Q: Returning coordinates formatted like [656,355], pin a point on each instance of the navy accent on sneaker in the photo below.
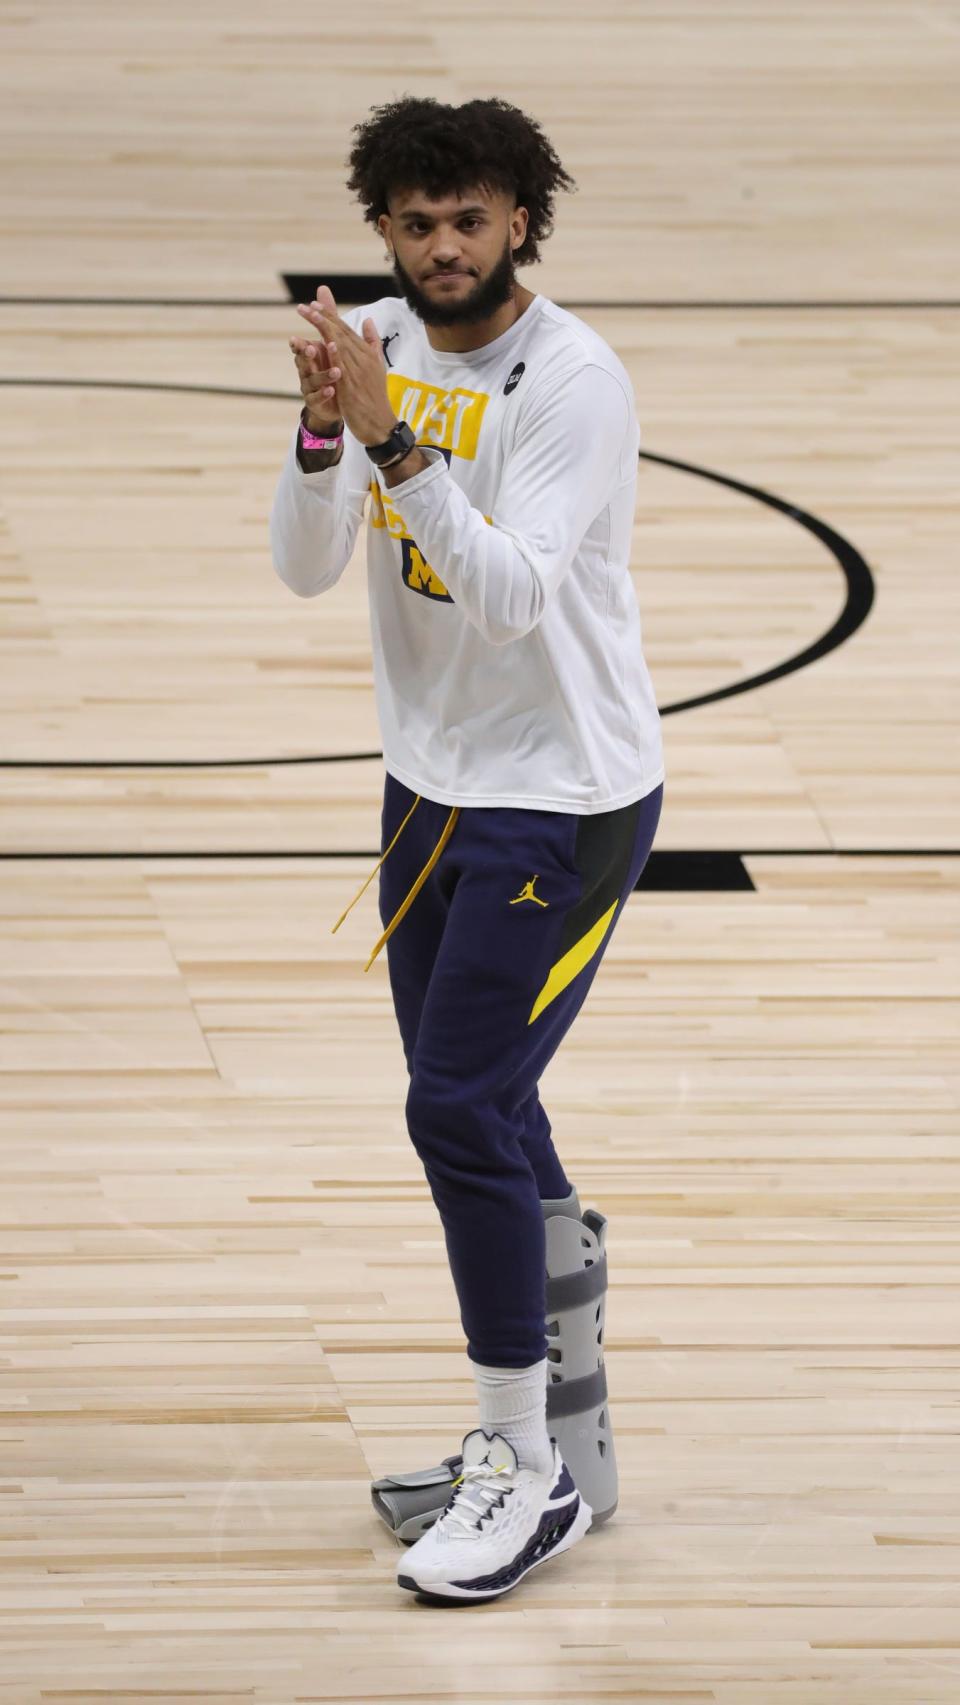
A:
[552,1526]
[564,1485]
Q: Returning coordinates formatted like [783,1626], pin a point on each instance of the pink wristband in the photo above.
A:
[310,442]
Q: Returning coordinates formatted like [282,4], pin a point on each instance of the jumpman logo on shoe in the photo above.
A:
[526,893]
[502,1520]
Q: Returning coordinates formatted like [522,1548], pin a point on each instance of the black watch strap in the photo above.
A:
[399,444]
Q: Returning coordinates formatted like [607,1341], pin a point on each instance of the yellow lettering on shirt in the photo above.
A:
[442,420]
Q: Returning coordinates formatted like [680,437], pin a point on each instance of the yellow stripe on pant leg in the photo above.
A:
[564,971]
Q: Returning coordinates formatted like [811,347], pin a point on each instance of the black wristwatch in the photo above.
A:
[393,449]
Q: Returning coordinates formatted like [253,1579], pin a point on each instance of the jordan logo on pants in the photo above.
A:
[526,893]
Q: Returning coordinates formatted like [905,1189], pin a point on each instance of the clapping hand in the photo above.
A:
[359,393]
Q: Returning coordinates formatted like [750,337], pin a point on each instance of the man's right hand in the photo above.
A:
[318,381]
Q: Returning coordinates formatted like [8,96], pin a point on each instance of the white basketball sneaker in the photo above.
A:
[500,1522]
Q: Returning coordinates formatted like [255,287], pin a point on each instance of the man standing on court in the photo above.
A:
[496,437]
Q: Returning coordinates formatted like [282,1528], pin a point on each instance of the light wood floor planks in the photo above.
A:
[224,1296]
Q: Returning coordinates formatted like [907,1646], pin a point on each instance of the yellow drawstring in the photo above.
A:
[448,829]
[500,1469]
[377,866]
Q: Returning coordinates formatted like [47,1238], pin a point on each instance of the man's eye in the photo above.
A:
[469,220]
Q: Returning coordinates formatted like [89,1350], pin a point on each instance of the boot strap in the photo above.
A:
[571,1290]
[577,1396]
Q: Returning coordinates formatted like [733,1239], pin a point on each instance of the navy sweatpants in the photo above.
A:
[488,970]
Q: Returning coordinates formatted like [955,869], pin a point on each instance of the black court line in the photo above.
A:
[345,289]
[667,872]
[364,852]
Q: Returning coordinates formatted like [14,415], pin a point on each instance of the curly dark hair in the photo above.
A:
[419,143]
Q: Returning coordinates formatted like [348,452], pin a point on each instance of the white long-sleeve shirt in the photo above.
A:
[507,652]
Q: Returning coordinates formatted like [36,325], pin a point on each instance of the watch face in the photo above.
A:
[401,438]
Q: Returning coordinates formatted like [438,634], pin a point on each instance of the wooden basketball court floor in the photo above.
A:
[224,1297]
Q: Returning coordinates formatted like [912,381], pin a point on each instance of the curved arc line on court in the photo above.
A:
[859,599]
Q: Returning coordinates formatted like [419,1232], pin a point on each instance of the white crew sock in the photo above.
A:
[513,1402]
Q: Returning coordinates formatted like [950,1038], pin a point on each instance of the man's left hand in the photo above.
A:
[361,390]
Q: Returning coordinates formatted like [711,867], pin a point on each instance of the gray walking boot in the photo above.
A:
[577,1413]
